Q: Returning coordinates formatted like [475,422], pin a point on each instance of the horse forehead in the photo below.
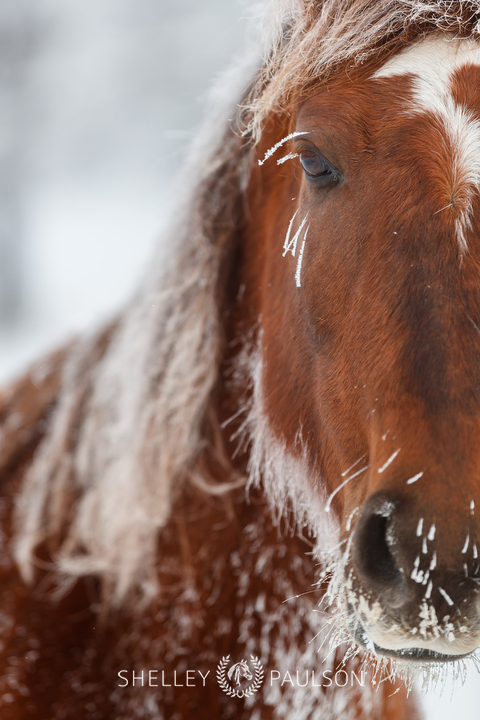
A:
[434,64]
[444,75]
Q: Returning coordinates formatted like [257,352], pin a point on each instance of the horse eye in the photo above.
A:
[316,167]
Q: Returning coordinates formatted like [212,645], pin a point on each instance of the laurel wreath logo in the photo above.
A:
[232,692]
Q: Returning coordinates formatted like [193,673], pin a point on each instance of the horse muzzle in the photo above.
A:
[409,596]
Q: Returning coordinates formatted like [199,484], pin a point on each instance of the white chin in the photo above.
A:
[400,645]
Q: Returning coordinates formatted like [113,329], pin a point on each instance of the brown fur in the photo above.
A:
[377,316]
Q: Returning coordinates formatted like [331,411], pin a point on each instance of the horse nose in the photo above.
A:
[412,588]
[410,592]
[376,551]
[398,561]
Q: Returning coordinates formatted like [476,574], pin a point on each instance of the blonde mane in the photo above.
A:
[132,420]
[308,42]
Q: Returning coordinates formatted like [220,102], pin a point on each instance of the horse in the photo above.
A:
[238,671]
[272,450]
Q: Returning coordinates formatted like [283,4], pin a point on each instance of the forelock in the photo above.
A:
[309,42]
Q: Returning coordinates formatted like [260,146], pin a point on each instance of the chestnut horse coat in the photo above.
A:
[258,462]
[225,573]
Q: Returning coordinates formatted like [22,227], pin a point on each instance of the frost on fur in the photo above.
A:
[306,44]
[129,423]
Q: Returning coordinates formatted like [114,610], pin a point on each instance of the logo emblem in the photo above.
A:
[242,682]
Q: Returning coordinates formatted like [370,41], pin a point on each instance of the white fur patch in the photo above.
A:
[433,62]
[288,482]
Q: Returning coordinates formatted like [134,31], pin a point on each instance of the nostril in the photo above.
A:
[373,556]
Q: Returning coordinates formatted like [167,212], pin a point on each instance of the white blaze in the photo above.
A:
[433,63]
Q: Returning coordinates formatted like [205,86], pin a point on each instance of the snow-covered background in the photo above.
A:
[98,102]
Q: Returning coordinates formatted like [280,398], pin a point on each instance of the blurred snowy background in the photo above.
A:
[98,102]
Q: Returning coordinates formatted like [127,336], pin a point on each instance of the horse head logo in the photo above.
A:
[238,671]
[234,687]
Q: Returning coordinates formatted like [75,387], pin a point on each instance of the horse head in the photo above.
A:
[318,337]
[238,671]
[372,322]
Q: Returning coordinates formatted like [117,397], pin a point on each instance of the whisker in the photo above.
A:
[443,208]
[414,478]
[292,245]
[290,156]
[279,144]
[342,485]
[300,258]
[289,229]
[345,472]
[295,597]
[389,461]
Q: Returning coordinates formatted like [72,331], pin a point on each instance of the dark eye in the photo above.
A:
[317,168]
